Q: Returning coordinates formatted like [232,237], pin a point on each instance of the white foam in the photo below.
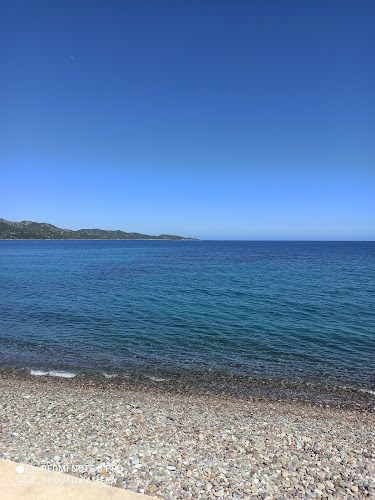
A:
[155,379]
[53,373]
[360,389]
[109,375]
[368,391]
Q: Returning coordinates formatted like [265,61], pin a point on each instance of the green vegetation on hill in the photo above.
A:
[27,230]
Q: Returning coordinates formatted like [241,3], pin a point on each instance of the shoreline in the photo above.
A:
[216,384]
[180,444]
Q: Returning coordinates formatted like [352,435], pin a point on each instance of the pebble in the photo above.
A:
[189,446]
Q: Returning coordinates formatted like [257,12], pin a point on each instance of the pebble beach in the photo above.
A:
[184,444]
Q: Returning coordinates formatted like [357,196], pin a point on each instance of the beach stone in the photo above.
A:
[161,452]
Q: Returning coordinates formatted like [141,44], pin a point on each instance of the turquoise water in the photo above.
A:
[291,311]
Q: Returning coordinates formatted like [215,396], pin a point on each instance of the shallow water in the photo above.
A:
[288,311]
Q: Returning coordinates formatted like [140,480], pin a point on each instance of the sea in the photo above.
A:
[246,317]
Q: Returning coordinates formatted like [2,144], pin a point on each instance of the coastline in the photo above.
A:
[212,383]
[96,239]
[176,443]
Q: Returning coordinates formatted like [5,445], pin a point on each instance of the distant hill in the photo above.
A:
[27,230]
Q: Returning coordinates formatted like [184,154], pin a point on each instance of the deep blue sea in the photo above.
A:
[285,311]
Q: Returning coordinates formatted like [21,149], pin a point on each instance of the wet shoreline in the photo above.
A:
[204,384]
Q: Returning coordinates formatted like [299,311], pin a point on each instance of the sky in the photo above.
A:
[213,119]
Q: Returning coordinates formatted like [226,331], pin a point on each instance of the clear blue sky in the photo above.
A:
[215,119]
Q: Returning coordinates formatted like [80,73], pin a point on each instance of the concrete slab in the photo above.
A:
[24,482]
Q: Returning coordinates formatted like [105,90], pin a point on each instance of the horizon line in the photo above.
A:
[193,240]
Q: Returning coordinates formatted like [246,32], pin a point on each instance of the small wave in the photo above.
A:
[110,375]
[155,379]
[368,391]
[355,389]
[53,373]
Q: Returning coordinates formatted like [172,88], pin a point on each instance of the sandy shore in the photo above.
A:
[187,445]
